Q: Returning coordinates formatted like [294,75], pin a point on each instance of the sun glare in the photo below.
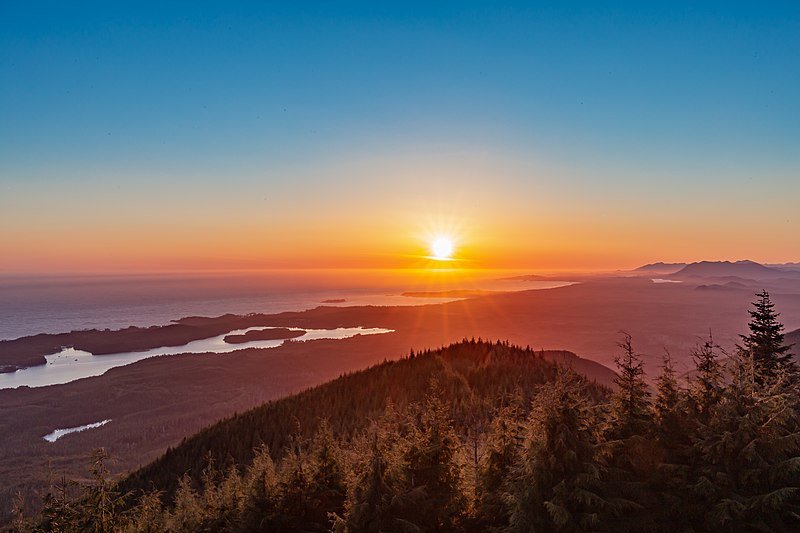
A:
[442,248]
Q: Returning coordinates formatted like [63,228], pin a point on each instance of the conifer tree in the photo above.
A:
[557,484]
[495,469]
[749,456]
[58,511]
[19,521]
[672,433]
[632,455]
[261,492]
[706,385]
[327,488]
[223,500]
[631,402]
[370,503]
[668,415]
[100,503]
[435,500]
[294,480]
[764,344]
[732,463]
[147,516]
[188,513]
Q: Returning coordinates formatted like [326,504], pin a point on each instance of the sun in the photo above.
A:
[442,248]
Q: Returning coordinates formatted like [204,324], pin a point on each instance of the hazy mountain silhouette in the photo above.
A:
[791,267]
[661,268]
[718,269]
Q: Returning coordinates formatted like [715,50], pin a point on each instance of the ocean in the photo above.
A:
[55,304]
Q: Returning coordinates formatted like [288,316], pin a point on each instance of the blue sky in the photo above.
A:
[621,96]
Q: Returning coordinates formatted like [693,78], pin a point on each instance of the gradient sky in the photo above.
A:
[210,136]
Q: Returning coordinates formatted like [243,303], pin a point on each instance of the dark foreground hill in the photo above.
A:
[482,437]
[479,437]
[474,378]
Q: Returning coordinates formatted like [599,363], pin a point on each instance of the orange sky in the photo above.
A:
[576,138]
[503,212]
[497,218]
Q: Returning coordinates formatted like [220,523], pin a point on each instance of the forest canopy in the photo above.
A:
[483,436]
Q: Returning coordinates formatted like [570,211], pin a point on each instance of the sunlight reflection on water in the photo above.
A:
[71,364]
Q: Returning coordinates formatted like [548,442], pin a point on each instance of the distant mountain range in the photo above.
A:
[723,270]
[661,268]
[786,266]
[720,269]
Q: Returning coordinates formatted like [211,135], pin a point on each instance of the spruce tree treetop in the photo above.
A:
[765,342]
[631,402]
[706,385]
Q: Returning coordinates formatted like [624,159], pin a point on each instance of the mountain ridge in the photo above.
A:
[466,370]
[712,269]
[660,267]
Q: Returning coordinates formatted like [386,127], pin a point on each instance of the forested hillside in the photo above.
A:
[473,377]
[484,437]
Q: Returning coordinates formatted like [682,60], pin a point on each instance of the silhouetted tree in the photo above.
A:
[500,455]
[558,482]
[749,456]
[764,344]
[553,454]
[327,488]
[261,492]
[147,516]
[370,504]
[99,505]
[669,413]
[707,383]
[59,512]
[435,500]
[631,401]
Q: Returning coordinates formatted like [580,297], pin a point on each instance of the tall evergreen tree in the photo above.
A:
[557,485]
[100,503]
[261,492]
[631,402]
[748,456]
[188,513]
[59,512]
[327,488]
[672,435]
[294,483]
[436,500]
[147,516]
[632,452]
[707,383]
[764,344]
[370,505]
[495,468]
[668,415]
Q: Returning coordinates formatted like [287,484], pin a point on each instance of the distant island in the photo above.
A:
[30,351]
[334,301]
[454,293]
[270,334]
[537,277]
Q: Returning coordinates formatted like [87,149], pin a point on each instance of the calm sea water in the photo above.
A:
[60,304]
[71,364]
